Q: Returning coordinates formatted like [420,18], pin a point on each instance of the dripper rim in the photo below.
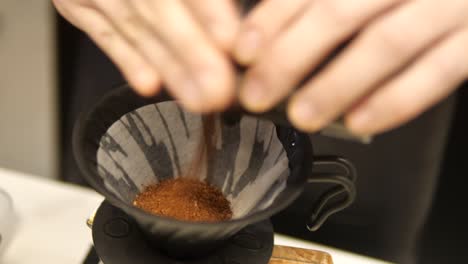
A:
[90,175]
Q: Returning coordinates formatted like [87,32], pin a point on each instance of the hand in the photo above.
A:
[404,57]
[181,43]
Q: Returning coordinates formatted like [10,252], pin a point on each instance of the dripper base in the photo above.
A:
[118,240]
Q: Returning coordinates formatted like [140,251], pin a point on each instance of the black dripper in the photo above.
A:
[126,142]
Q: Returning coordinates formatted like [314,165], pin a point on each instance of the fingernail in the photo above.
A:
[254,95]
[248,45]
[304,115]
[212,87]
[145,82]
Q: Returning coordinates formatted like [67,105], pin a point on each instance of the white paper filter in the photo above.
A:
[160,141]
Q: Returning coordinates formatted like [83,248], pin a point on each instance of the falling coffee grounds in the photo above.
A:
[185,199]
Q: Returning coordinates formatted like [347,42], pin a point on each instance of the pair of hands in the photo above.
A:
[404,57]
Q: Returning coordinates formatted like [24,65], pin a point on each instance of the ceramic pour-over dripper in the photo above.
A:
[126,143]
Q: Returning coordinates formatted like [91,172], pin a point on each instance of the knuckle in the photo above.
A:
[392,39]
[95,3]
[131,19]
[132,27]
[104,35]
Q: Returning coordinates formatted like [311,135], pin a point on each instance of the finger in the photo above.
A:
[303,46]
[259,28]
[61,6]
[136,70]
[209,70]
[139,34]
[381,51]
[219,19]
[427,82]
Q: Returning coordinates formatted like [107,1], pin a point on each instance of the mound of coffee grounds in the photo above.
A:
[185,199]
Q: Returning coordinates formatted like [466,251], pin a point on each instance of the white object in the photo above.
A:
[8,221]
[53,228]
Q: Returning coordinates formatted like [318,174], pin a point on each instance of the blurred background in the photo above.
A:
[39,53]
[29,99]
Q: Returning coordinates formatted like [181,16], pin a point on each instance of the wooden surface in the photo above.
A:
[289,255]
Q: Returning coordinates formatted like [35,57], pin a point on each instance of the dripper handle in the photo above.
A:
[330,202]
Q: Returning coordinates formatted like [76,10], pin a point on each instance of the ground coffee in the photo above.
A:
[185,199]
[206,146]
